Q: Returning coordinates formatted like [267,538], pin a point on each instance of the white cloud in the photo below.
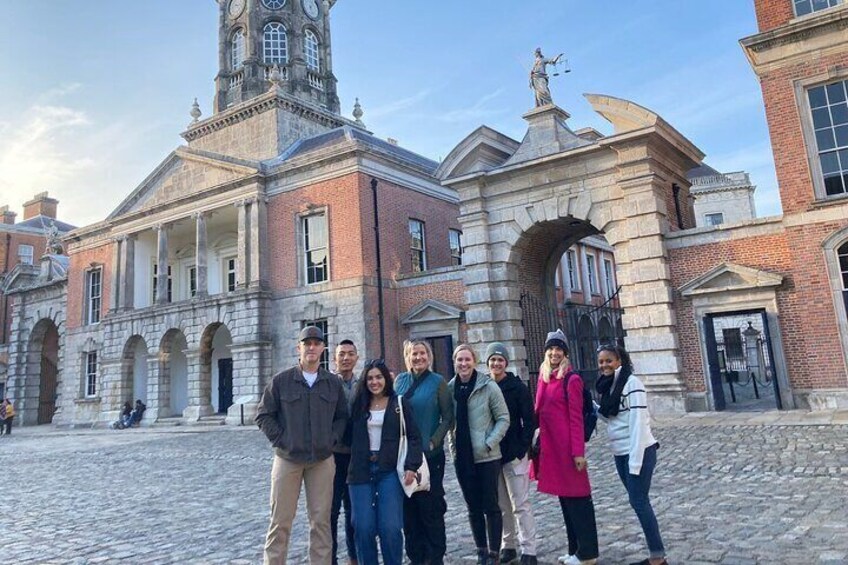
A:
[399,105]
[475,112]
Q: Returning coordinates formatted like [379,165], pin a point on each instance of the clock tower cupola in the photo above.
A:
[255,36]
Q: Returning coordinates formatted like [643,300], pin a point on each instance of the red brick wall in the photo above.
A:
[806,314]
[80,262]
[350,217]
[784,120]
[9,258]
[773,13]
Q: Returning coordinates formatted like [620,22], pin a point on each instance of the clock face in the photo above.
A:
[273,4]
[236,8]
[311,8]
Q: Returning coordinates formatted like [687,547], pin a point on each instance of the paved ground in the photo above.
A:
[755,488]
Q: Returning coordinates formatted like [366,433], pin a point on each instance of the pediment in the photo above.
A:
[185,172]
[431,311]
[730,277]
[483,150]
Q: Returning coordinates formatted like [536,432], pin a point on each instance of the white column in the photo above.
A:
[162,265]
[258,223]
[115,290]
[584,274]
[200,266]
[243,259]
[127,279]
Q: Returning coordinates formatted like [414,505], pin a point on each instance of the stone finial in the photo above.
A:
[275,77]
[358,113]
[195,112]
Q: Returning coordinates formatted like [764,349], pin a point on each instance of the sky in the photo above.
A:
[94,94]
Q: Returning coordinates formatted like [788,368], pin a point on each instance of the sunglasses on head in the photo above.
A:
[375,363]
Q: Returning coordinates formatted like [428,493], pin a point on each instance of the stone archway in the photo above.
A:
[216,368]
[173,374]
[134,370]
[528,201]
[43,370]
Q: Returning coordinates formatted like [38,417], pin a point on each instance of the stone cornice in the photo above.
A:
[275,99]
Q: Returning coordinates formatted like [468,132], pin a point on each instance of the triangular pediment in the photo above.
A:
[483,150]
[431,311]
[730,277]
[185,172]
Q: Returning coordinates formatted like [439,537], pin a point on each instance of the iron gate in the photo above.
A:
[585,326]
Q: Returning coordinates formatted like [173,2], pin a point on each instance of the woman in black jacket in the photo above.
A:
[376,494]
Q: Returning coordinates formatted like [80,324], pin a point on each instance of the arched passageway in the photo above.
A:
[173,373]
[134,370]
[43,368]
[216,368]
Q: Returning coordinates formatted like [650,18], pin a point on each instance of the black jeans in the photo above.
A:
[480,490]
[341,496]
[579,516]
[8,423]
[424,517]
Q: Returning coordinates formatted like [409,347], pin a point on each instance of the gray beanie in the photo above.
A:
[556,339]
[496,348]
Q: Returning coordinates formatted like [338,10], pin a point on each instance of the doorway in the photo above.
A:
[225,385]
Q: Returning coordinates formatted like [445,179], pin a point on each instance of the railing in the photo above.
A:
[729,179]
[284,73]
[237,78]
[315,81]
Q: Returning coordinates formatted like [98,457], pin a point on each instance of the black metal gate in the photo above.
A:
[741,361]
[586,327]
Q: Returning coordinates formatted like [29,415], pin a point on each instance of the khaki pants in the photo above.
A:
[286,480]
[514,500]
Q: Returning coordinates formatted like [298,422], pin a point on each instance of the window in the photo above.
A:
[93,295]
[322,325]
[192,281]
[237,50]
[419,253]
[830,121]
[455,237]
[804,7]
[310,44]
[273,4]
[732,338]
[714,219]
[608,280]
[571,263]
[590,267]
[230,274]
[275,48]
[91,374]
[26,253]
[842,254]
[156,286]
[315,248]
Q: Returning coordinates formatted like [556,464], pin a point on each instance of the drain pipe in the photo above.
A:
[379,270]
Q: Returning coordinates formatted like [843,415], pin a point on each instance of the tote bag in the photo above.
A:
[422,475]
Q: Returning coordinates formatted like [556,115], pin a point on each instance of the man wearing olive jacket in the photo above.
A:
[303,412]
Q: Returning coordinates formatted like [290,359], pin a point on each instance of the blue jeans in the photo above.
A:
[638,487]
[378,511]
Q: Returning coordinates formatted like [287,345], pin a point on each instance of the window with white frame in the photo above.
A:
[237,49]
[191,275]
[829,106]
[842,254]
[93,295]
[455,237]
[230,274]
[590,268]
[275,44]
[417,247]
[571,265]
[323,326]
[804,7]
[156,286]
[91,374]
[26,254]
[315,248]
[715,219]
[310,49]
[608,277]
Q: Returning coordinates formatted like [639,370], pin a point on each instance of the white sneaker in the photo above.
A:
[568,560]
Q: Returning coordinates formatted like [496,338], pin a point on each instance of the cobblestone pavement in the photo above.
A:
[732,494]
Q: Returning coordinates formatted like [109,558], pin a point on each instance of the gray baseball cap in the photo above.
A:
[311,332]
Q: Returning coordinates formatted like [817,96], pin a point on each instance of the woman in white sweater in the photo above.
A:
[624,406]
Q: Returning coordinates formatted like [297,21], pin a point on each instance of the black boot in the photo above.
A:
[494,558]
[508,555]
[482,556]
[528,560]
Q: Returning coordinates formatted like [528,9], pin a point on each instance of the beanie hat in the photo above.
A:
[496,348]
[556,339]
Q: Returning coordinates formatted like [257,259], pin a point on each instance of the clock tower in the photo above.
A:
[257,35]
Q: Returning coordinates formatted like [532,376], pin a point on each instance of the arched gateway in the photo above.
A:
[523,204]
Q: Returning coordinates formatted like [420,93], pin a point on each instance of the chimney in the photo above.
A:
[6,215]
[40,205]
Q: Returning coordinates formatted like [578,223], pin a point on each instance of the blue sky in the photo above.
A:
[95,93]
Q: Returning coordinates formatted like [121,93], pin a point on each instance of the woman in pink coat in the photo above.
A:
[560,468]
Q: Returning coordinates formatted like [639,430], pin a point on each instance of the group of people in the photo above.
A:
[370,435]
[7,414]
[130,416]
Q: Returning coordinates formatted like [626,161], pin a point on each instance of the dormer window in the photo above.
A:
[237,50]
[311,50]
[275,47]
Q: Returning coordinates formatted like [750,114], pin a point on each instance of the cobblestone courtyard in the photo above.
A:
[727,493]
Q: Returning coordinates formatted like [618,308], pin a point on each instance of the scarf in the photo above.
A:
[464,448]
[610,388]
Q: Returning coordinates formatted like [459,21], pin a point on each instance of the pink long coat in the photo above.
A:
[561,437]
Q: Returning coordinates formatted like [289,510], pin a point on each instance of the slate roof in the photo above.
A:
[703,170]
[40,221]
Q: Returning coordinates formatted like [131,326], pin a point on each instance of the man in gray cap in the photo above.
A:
[303,412]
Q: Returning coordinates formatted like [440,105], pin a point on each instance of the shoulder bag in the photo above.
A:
[422,475]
